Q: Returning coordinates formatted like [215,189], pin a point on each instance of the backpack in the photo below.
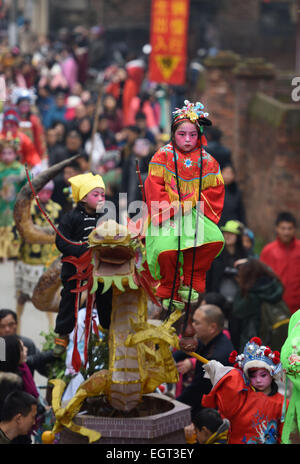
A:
[274,324]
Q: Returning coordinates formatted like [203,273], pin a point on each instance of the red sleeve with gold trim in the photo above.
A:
[213,190]
[159,188]
[213,199]
[155,192]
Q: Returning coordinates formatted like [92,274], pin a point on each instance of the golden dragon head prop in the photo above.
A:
[117,256]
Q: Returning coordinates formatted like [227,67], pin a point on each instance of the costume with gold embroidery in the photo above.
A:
[35,257]
[161,188]
[12,179]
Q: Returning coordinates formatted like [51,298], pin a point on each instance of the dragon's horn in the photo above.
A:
[28,231]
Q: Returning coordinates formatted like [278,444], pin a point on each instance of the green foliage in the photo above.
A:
[98,355]
[259,244]
[49,342]
[57,368]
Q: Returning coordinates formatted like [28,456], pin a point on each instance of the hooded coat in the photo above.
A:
[247,308]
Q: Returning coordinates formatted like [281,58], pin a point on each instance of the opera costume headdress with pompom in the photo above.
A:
[257,356]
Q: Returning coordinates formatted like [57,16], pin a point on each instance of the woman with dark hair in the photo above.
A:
[257,284]
[85,129]
[113,113]
[15,362]
[60,129]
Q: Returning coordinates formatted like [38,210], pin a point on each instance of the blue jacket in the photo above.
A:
[55,114]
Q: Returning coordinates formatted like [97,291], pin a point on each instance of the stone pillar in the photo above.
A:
[270,163]
[219,96]
[251,76]
[40,19]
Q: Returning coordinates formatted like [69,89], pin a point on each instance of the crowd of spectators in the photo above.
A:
[70,98]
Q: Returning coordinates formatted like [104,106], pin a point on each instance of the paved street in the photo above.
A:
[33,321]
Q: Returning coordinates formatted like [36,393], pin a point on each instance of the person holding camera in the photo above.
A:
[221,278]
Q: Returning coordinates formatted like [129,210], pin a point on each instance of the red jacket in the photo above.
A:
[27,151]
[33,128]
[284,260]
[131,88]
[160,184]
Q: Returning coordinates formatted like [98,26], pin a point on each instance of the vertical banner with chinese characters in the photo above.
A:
[168,38]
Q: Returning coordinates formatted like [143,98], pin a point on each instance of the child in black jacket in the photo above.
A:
[88,192]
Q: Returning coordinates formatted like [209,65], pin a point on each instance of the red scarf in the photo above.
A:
[28,382]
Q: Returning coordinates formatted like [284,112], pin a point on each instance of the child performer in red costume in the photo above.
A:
[30,123]
[173,194]
[247,394]
[27,151]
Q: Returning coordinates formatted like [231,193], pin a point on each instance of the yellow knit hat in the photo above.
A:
[84,183]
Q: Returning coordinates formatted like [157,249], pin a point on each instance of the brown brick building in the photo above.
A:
[261,125]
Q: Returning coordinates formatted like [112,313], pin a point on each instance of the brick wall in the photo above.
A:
[161,424]
[272,165]
[263,134]
[251,76]
[220,95]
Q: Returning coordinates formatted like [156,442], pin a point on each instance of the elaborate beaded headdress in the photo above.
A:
[8,141]
[11,114]
[256,355]
[192,112]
